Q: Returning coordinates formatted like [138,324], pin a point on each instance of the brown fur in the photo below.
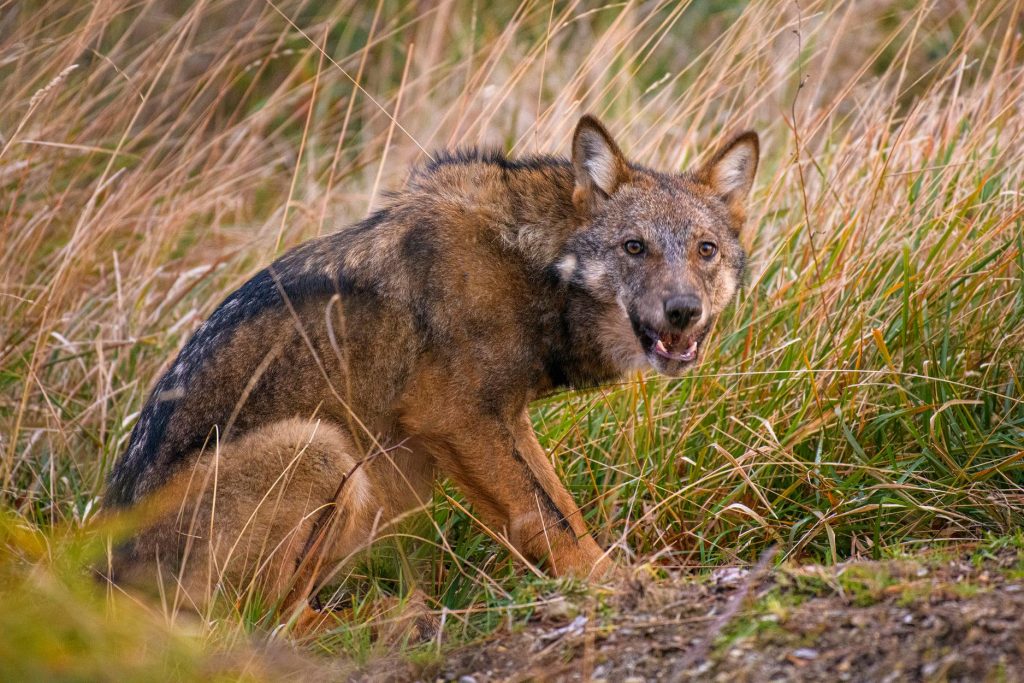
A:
[321,400]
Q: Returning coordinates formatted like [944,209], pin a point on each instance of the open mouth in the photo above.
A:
[679,346]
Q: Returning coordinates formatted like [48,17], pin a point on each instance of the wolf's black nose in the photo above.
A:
[682,310]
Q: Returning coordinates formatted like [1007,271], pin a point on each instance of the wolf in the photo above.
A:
[323,398]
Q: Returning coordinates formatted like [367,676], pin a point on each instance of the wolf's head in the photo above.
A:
[661,250]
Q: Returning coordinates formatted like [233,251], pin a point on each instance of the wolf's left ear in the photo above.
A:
[730,173]
[597,162]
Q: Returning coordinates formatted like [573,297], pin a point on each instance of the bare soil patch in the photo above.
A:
[954,618]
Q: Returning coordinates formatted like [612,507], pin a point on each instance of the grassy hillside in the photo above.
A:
[862,398]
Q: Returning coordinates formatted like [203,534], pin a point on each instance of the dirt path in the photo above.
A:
[959,618]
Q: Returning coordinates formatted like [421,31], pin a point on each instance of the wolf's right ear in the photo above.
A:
[597,162]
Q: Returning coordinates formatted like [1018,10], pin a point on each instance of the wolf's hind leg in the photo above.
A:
[248,514]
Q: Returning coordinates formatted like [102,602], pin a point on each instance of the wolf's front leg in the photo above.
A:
[505,473]
[583,557]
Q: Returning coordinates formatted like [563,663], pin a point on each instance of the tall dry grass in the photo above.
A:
[865,394]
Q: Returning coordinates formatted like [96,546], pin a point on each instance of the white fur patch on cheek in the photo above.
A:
[567,267]
[592,274]
[722,294]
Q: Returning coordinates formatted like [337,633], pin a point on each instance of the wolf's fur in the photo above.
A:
[323,397]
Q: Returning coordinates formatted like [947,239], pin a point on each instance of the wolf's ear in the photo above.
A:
[730,173]
[597,162]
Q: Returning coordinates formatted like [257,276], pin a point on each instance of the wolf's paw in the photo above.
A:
[406,621]
[311,622]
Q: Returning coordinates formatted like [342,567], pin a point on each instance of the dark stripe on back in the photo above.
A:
[265,291]
[494,157]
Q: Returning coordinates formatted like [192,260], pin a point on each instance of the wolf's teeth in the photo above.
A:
[660,345]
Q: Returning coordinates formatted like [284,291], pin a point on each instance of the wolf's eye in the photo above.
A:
[633,247]
[707,249]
